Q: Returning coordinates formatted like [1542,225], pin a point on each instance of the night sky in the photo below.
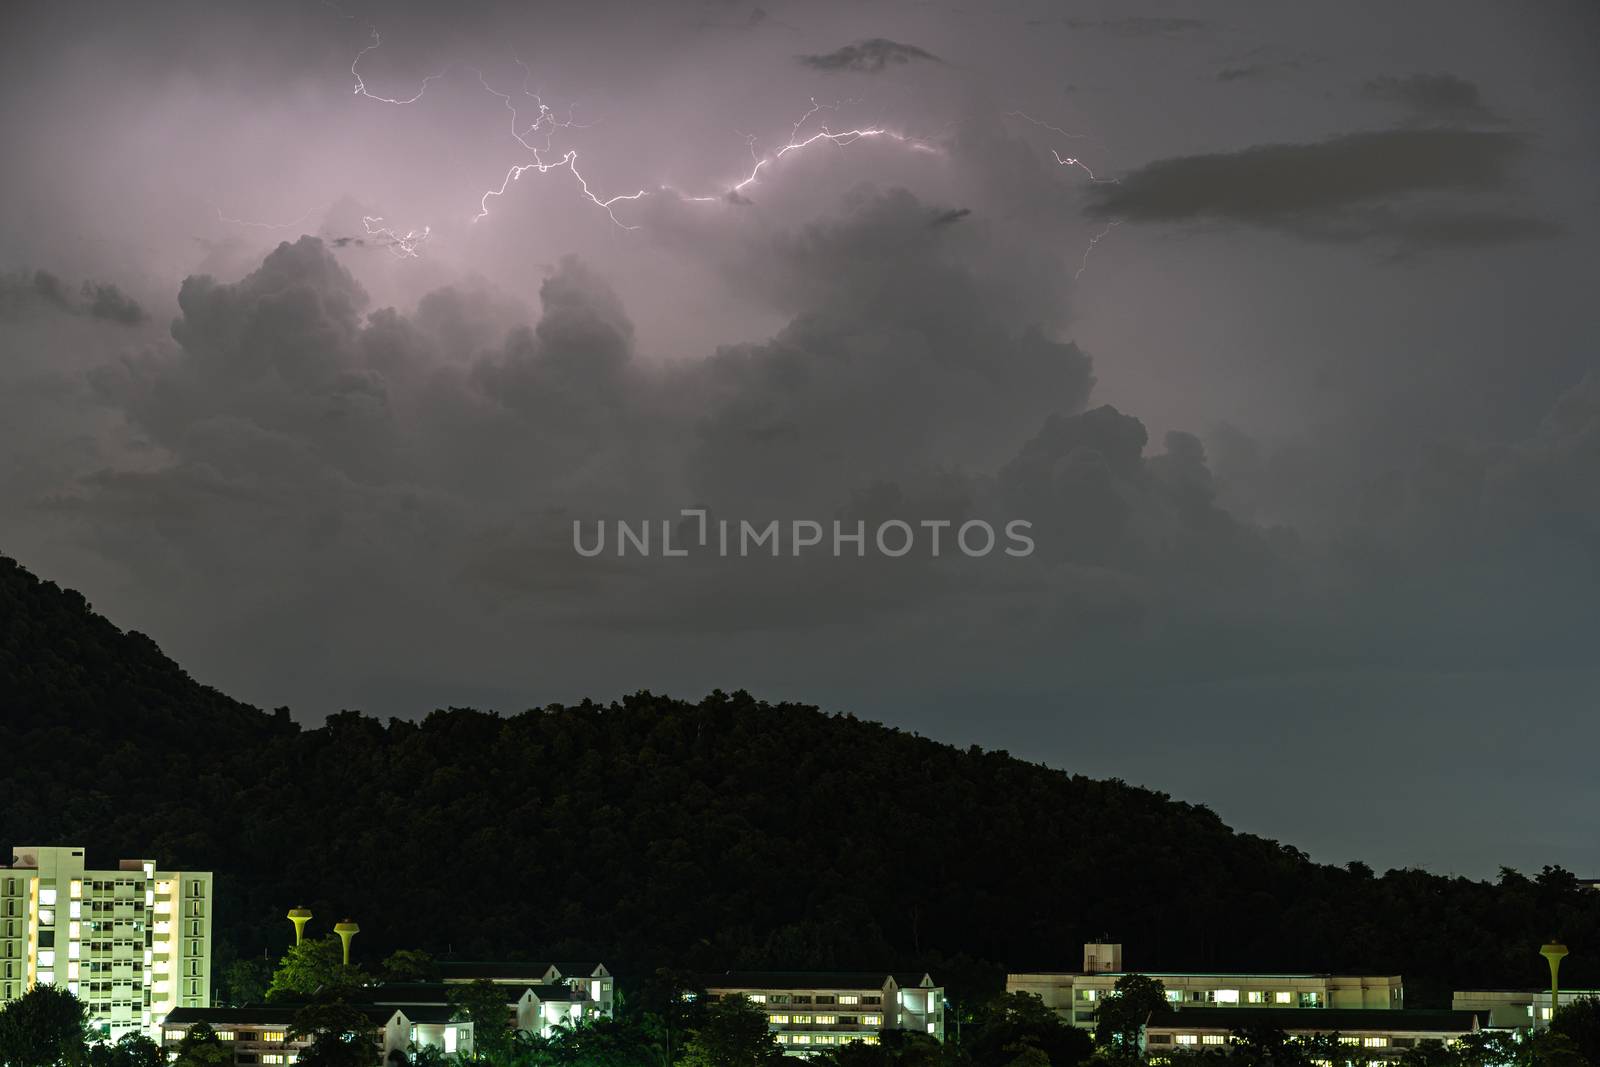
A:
[1276,321]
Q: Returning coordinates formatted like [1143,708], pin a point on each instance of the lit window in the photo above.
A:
[1311,1000]
[872,1020]
[849,998]
[449,1040]
[47,978]
[827,1020]
[47,898]
[173,1035]
[1088,994]
[272,1035]
[757,998]
[802,1019]
[930,1028]
[1213,1039]
[1188,1039]
[1374,1042]
[47,957]
[1283,998]
[224,1035]
[1227,996]
[47,916]
[1175,996]
[801,1039]
[75,889]
[778,1020]
[1256,996]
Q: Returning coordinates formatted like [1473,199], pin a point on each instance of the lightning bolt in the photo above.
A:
[537,137]
[1074,161]
[264,225]
[361,86]
[403,245]
[1095,239]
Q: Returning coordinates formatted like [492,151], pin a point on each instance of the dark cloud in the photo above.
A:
[1431,96]
[41,289]
[1356,186]
[871,56]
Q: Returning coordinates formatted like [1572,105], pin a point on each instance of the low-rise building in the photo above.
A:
[262,1034]
[809,1011]
[591,989]
[1075,995]
[1374,1031]
[1516,1009]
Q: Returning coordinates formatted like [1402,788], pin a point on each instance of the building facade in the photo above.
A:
[133,943]
[1374,1035]
[1516,1009]
[570,992]
[1075,995]
[262,1034]
[811,1011]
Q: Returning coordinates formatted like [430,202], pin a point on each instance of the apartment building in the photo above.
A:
[1075,995]
[810,1011]
[1372,1033]
[133,943]
[1516,1009]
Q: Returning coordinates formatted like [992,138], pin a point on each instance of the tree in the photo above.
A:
[602,1043]
[246,981]
[132,1049]
[45,1027]
[732,1032]
[483,1004]
[1009,1025]
[1579,1022]
[410,965]
[340,1035]
[315,965]
[1123,1014]
[201,1047]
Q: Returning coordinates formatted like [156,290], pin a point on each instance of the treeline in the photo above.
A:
[723,833]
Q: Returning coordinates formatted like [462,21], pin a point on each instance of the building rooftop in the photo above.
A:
[1201,974]
[811,980]
[1320,1020]
[516,970]
[284,1014]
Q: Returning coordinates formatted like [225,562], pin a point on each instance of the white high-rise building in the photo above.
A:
[132,943]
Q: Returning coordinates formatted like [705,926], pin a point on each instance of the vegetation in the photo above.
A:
[719,834]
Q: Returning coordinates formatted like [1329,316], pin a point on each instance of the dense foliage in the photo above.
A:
[724,833]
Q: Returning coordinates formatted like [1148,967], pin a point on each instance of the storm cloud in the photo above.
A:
[1357,186]
[872,56]
[1438,96]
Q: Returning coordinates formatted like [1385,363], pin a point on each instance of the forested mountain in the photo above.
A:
[723,833]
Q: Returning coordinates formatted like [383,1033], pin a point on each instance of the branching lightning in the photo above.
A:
[1074,161]
[537,137]
[403,245]
[361,86]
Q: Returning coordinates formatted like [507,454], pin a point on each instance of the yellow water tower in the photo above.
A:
[1554,953]
[346,930]
[299,916]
